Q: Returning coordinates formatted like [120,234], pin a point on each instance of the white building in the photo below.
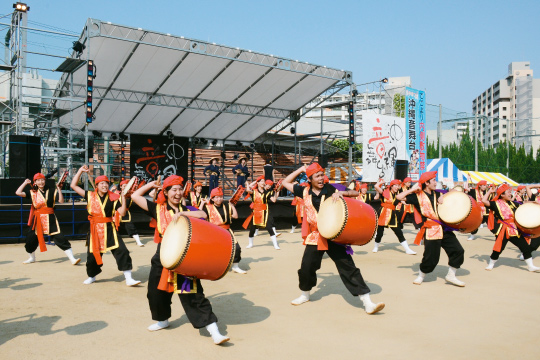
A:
[507,109]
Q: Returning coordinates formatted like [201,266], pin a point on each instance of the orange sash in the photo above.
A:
[387,206]
[215,218]
[299,211]
[39,216]
[258,215]
[310,232]
[97,238]
[431,229]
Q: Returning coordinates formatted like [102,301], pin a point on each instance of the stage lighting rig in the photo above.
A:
[239,143]
[293,130]
[89,92]
[351,123]
[21,7]
[252,146]
[248,156]
[123,136]
[223,155]
[170,134]
[97,134]
[78,47]
[214,142]
[114,137]
[385,80]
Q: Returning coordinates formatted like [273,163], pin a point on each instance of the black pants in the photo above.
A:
[213,183]
[130,228]
[294,221]
[269,228]
[196,306]
[349,273]
[521,244]
[32,241]
[397,230]
[535,244]
[432,252]
[121,255]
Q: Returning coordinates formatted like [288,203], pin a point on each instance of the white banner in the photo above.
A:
[383,144]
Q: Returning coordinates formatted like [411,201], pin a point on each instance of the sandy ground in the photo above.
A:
[47,313]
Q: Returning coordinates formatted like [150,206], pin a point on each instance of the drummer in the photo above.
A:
[269,188]
[503,210]
[521,194]
[535,242]
[425,199]
[42,218]
[160,288]
[212,171]
[129,226]
[477,194]
[407,209]
[196,196]
[221,214]
[298,204]
[389,216]
[260,217]
[104,208]
[316,246]
[241,171]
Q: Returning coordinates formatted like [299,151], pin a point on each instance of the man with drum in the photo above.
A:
[212,171]
[162,282]
[196,197]
[477,194]
[42,218]
[425,199]
[126,220]
[388,215]
[503,209]
[316,245]
[260,217]
[104,212]
[241,171]
[221,214]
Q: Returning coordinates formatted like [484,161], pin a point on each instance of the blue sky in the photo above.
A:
[452,50]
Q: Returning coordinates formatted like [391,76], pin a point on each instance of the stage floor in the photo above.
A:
[47,313]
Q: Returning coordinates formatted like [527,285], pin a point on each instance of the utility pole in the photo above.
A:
[475,142]
[439,131]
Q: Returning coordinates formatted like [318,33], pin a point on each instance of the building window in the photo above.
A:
[504,108]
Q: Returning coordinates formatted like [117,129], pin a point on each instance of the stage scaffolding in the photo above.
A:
[155,83]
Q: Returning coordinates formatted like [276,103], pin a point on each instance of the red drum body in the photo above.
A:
[528,218]
[460,211]
[347,221]
[196,248]
[279,185]
[187,188]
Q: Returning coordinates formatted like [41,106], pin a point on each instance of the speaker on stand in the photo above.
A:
[401,169]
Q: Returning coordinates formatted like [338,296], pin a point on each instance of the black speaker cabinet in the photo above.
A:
[401,169]
[24,156]
[323,160]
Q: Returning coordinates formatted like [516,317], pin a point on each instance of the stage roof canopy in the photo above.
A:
[149,82]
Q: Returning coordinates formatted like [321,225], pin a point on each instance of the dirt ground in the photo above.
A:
[47,313]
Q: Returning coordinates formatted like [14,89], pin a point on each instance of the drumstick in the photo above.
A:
[155,192]
[91,180]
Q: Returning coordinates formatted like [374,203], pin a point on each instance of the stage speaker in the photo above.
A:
[24,156]
[323,160]
[401,169]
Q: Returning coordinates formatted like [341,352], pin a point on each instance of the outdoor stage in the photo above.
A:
[47,313]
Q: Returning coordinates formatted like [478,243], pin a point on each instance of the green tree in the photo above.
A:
[399,105]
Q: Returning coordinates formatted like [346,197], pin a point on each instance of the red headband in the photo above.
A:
[427,176]
[170,181]
[216,192]
[124,182]
[521,187]
[198,183]
[326,179]
[395,182]
[39,176]
[313,169]
[269,182]
[363,186]
[102,178]
[260,178]
[407,179]
[500,191]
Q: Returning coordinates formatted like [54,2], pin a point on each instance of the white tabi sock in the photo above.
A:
[369,306]
[236,269]
[303,298]
[129,280]
[31,259]
[138,240]
[250,244]
[408,250]
[375,247]
[292,230]
[451,277]
[274,241]
[420,278]
[216,335]
[531,266]
[69,254]
[491,264]
[159,325]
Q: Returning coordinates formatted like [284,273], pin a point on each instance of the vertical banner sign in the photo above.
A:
[384,143]
[415,121]
[153,155]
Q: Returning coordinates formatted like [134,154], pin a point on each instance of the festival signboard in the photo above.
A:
[415,120]
[383,144]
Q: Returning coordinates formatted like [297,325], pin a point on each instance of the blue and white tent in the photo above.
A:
[446,170]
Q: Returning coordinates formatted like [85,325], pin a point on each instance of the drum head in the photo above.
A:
[458,188]
[332,217]
[129,185]
[528,215]
[455,208]
[175,243]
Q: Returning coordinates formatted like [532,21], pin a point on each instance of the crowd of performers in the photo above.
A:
[166,201]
